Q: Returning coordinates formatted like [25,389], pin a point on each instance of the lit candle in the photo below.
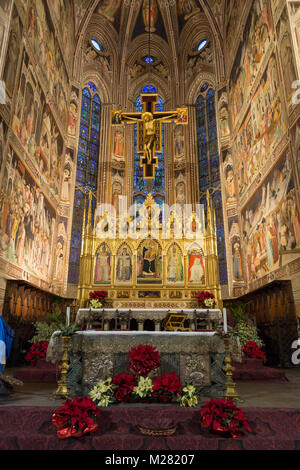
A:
[225,321]
[68,316]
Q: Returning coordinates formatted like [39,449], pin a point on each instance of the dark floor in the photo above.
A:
[253,394]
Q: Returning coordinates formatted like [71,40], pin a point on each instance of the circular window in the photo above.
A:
[202,45]
[96,45]
[149,59]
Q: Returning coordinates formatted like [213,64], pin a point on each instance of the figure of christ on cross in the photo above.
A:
[149,129]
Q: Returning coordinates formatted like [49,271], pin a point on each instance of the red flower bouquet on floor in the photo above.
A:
[37,351]
[143,360]
[76,418]
[252,351]
[166,386]
[206,300]
[125,384]
[223,416]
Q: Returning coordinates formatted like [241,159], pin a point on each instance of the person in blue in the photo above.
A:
[6,340]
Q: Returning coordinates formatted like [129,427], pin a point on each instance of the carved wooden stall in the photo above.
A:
[273,308]
[24,305]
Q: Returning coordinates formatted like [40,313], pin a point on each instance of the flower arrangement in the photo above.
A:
[76,417]
[206,300]
[103,393]
[252,350]
[167,386]
[247,332]
[37,351]
[125,384]
[144,388]
[143,360]
[224,416]
[188,396]
[97,297]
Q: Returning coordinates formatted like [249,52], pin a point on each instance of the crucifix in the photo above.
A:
[149,141]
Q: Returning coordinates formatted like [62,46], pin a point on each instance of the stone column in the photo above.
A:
[141,325]
[157,325]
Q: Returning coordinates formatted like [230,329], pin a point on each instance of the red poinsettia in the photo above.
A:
[76,417]
[252,350]
[37,351]
[224,416]
[168,384]
[144,359]
[125,384]
[98,295]
[206,300]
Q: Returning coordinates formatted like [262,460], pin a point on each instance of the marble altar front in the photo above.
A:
[196,357]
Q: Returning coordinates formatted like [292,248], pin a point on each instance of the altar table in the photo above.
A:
[85,316]
[197,357]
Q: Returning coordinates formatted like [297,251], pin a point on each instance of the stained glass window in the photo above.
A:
[209,169]
[157,188]
[87,172]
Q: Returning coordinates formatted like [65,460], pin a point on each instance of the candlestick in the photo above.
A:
[230,390]
[225,321]
[68,316]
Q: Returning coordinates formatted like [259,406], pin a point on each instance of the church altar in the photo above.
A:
[122,317]
[197,357]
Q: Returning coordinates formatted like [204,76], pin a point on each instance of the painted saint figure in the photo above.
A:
[103,267]
[124,266]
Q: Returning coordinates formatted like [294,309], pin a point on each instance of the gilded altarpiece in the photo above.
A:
[161,272]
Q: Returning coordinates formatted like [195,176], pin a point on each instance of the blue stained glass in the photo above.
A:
[158,184]
[209,167]
[149,89]
[87,173]
[92,86]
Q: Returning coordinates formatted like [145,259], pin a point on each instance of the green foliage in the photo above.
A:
[43,332]
[247,333]
[238,312]
[67,330]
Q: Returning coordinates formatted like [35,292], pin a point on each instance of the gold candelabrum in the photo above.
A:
[62,389]
[230,391]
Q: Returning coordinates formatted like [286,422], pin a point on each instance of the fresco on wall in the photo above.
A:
[235,7]
[178,141]
[13,51]
[255,42]
[270,221]
[60,252]
[261,130]
[236,249]
[295,133]
[3,132]
[230,185]
[34,125]
[118,142]
[47,50]
[27,220]
[73,112]
[286,53]
[67,176]
[108,8]
[63,12]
